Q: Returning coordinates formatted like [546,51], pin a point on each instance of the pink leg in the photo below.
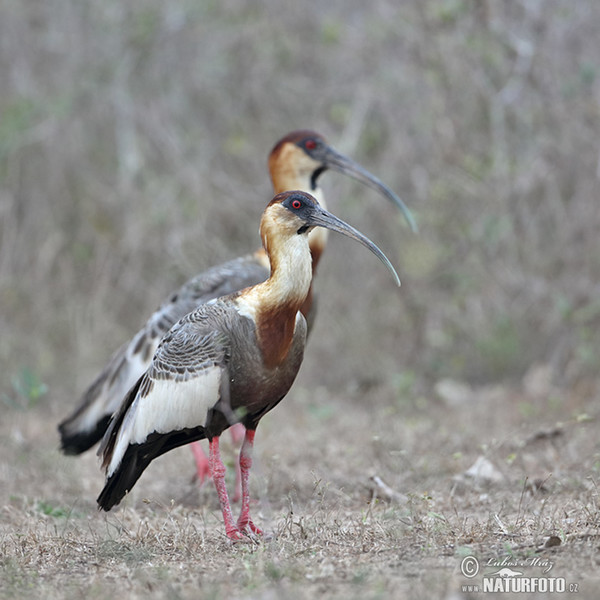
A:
[203,469]
[217,470]
[237,435]
[245,522]
[202,465]
[237,494]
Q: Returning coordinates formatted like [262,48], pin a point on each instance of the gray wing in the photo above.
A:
[169,405]
[88,423]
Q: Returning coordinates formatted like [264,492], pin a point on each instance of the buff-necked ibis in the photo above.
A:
[296,162]
[232,359]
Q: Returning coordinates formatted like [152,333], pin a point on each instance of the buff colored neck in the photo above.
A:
[274,304]
[285,179]
[291,269]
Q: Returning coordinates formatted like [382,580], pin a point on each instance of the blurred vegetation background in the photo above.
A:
[133,146]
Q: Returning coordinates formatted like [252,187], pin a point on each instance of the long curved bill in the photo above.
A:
[338,162]
[322,218]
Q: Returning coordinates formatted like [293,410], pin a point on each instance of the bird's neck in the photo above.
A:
[287,180]
[274,304]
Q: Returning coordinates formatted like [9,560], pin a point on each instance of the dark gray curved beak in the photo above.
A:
[319,217]
[338,162]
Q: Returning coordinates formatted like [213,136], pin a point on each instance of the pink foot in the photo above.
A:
[235,535]
[248,527]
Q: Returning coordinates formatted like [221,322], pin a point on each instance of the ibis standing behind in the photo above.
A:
[232,359]
[296,163]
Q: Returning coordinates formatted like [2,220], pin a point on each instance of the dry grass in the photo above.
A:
[331,536]
[133,141]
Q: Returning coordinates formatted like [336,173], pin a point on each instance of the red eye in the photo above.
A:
[310,144]
[296,204]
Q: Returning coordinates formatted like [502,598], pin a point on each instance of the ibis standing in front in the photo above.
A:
[296,162]
[230,360]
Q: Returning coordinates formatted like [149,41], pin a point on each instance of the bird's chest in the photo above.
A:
[255,381]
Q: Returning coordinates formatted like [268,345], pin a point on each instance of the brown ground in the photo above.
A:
[334,532]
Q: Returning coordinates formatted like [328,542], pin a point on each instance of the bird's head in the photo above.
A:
[296,213]
[301,157]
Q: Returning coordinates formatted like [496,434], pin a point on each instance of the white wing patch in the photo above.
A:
[170,406]
[112,393]
[135,368]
